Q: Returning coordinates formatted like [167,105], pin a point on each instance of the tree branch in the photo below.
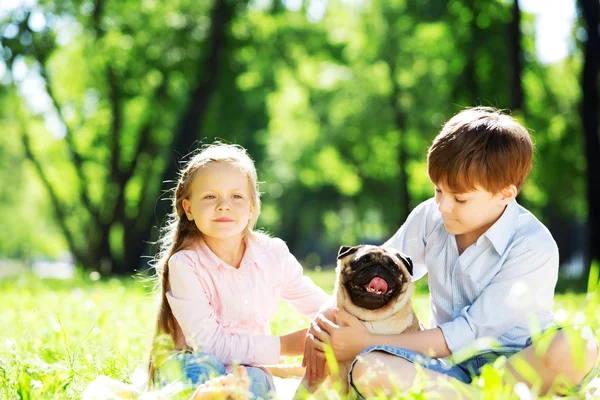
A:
[73,153]
[97,16]
[58,207]
[115,128]
[144,143]
[144,146]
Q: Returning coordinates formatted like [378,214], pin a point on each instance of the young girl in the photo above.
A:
[222,281]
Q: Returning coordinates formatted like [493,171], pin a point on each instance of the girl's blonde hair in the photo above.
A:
[180,233]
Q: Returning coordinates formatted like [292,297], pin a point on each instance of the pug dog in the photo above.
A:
[374,284]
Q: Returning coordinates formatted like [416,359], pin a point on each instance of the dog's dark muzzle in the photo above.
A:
[372,287]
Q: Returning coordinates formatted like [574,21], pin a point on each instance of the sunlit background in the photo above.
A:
[337,102]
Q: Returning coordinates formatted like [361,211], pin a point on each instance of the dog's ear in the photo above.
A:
[407,262]
[346,251]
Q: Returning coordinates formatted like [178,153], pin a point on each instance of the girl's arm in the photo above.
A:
[292,344]
[298,290]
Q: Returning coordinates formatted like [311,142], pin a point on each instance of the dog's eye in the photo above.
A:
[363,261]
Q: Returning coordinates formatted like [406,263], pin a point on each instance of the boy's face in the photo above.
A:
[471,212]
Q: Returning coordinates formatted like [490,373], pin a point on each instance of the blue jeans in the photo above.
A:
[195,369]
[466,370]
[463,371]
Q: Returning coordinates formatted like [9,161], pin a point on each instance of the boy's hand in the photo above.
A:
[348,337]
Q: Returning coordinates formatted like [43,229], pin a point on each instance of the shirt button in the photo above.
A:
[459,304]
[238,276]
[245,301]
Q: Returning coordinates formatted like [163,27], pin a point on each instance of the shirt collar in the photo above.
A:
[254,255]
[502,231]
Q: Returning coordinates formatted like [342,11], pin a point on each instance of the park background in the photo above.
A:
[336,101]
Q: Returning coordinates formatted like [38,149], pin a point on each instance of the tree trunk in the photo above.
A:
[91,245]
[465,91]
[292,200]
[471,67]
[400,122]
[190,123]
[590,11]
[516,58]
[391,58]
[516,62]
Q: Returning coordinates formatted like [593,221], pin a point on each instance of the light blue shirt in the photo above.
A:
[500,287]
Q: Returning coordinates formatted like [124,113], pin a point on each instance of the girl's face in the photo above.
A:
[220,201]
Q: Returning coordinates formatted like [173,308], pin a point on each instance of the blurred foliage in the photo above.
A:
[336,100]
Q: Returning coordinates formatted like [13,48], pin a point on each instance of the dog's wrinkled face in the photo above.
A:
[373,276]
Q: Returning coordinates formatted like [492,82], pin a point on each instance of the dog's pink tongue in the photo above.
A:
[378,284]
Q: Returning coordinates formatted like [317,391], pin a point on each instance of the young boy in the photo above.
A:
[492,272]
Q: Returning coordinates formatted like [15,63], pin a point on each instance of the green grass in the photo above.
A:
[57,336]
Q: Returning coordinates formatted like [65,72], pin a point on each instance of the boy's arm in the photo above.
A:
[523,290]
[430,342]
[348,337]
[521,293]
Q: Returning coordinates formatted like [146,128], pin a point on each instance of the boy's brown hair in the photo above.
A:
[483,147]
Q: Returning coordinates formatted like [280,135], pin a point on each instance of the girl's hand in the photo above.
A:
[314,359]
[235,385]
[348,336]
[314,350]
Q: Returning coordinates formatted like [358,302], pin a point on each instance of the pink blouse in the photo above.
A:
[225,311]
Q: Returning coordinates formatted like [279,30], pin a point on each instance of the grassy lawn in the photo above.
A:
[57,336]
